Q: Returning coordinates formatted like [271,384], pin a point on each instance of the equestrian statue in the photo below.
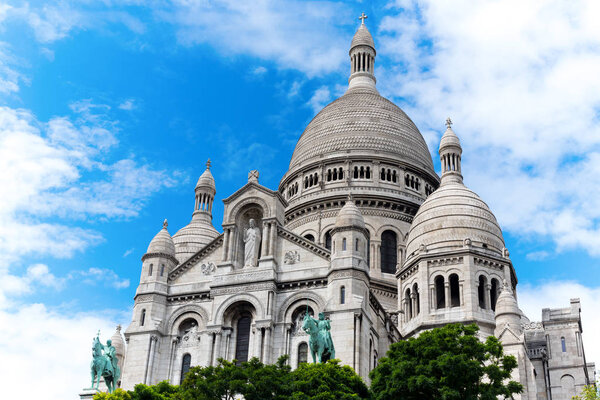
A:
[104,364]
[320,342]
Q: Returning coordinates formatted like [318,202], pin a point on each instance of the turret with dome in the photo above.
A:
[360,229]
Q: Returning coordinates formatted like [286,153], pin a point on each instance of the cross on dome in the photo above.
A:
[448,122]
[362,18]
[165,224]
[208,164]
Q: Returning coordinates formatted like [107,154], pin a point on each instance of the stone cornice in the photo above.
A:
[304,243]
[163,255]
[193,260]
[258,187]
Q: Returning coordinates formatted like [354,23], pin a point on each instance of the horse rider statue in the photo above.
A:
[104,365]
[320,342]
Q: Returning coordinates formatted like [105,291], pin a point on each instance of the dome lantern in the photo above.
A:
[362,58]
[450,155]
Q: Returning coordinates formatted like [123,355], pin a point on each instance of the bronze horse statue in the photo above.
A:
[103,366]
[320,342]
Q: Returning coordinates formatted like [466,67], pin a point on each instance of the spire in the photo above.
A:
[362,58]
[450,155]
[165,224]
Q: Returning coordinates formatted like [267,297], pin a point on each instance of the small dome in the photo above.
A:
[117,341]
[362,37]
[162,242]
[449,138]
[506,303]
[193,237]
[349,215]
[452,216]
[206,179]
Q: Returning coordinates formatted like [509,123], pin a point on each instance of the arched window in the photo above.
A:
[409,307]
[343,295]
[389,252]
[309,237]
[368,173]
[302,353]
[335,174]
[362,172]
[382,174]
[494,293]
[328,175]
[563,344]
[356,244]
[406,180]
[185,366]
[481,291]
[150,270]
[143,317]
[242,338]
[394,176]
[440,293]
[341,173]
[344,244]
[454,291]
[162,270]
[415,290]
[355,172]
[328,240]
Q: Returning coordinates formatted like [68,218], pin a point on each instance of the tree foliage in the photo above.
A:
[448,363]
[590,392]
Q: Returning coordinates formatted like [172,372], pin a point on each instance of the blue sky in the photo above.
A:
[109,111]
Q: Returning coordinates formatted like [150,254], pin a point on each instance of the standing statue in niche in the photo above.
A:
[251,245]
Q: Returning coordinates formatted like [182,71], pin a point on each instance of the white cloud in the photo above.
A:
[557,294]
[128,105]
[520,81]
[105,277]
[260,70]
[9,77]
[34,338]
[538,255]
[319,99]
[128,252]
[295,34]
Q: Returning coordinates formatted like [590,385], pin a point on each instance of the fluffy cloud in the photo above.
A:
[102,276]
[519,80]
[557,294]
[34,338]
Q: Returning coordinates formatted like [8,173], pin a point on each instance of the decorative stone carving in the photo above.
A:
[208,268]
[291,257]
[251,245]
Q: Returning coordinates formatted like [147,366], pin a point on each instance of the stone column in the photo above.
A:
[265,245]
[258,344]
[273,238]
[211,347]
[266,353]
[447,292]
[357,326]
[232,239]
[217,351]
[148,378]
[225,244]
[487,290]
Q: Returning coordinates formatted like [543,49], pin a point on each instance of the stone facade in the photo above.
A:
[362,229]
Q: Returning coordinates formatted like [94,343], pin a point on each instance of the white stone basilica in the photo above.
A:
[362,229]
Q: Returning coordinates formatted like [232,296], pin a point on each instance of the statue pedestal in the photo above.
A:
[88,394]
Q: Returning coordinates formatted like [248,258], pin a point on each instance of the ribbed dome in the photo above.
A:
[194,236]
[507,304]
[449,216]
[117,341]
[349,215]
[449,138]
[362,122]
[206,180]
[162,242]
[362,37]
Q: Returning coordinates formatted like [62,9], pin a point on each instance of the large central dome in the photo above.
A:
[362,122]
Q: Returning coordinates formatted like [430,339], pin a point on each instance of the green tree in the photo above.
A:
[590,392]
[160,391]
[448,363]
[328,381]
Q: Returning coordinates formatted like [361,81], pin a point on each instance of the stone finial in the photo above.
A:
[165,224]
[253,176]
[448,123]
[362,18]
[208,163]
[119,328]
[505,252]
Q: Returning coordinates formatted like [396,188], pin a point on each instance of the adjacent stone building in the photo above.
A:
[362,229]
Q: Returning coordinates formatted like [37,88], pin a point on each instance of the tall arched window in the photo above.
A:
[162,270]
[328,240]
[440,294]
[242,338]
[186,362]
[494,293]
[143,317]
[481,291]
[344,244]
[454,291]
[389,252]
[343,295]
[415,290]
[409,307]
[563,344]
[150,270]
[302,353]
